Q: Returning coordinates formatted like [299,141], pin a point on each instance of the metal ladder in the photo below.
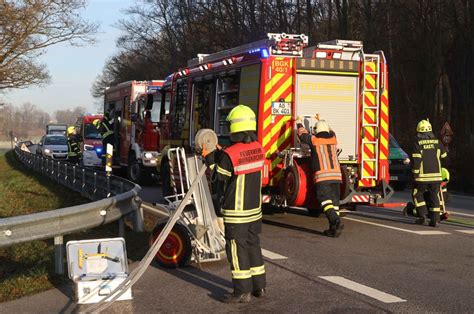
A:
[370,110]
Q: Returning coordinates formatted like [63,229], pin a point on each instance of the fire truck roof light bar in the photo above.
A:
[279,44]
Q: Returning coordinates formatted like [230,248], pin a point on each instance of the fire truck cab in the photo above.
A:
[90,140]
[282,79]
[135,109]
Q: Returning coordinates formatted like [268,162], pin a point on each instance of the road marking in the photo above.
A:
[362,289]
[470,231]
[426,232]
[272,255]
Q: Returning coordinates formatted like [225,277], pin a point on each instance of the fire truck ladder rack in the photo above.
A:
[370,120]
[199,216]
[275,43]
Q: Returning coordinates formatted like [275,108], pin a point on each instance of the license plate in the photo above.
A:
[393,178]
[281,108]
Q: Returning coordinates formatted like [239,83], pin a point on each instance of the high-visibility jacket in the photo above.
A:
[73,146]
[105,128]
[239,172]
[427,155]
[324,162]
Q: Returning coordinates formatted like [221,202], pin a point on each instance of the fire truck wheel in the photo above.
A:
[291,184]
[176,250]
[345,184]
[134,171]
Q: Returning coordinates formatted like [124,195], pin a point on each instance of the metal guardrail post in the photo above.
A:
[83,192]
[95,184]
[59,255]
[138,216]
[121,227]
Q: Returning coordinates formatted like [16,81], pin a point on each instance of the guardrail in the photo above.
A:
[113,199]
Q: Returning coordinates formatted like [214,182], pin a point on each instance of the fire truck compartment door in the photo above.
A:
[335,99]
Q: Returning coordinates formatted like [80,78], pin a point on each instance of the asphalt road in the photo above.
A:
[382,262]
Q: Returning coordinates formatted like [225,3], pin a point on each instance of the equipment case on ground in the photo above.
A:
[97,267]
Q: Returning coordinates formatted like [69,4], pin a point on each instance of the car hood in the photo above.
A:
[397,153]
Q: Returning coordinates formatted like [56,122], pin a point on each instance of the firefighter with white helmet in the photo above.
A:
[238,169]
[73,150]
[427,155]
[326,171]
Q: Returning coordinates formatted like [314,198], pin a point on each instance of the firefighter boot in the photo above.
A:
[335,225]
[434,219]
[237,298]
[422,215]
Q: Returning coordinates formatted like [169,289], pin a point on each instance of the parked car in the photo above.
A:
[399,165]
[53,146]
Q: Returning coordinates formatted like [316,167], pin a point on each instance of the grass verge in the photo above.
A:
[29,267]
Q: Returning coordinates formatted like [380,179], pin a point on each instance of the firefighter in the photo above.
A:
[73,150]
[427,155]
[107,133]
[238,169]
[326,172]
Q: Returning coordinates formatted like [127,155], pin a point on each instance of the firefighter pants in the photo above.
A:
[245,256]
[327,195]
[432,195]
[74,159]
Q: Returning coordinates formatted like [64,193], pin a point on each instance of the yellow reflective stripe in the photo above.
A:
[435,209]
[240,220]
[241,274]
[326,202]
[432,174]
[416,171]
[415,155]
[428,179]
[420,204]
[443,155]
[240,213]
[414,192]
[239,192]
[328,208]
[107,134]
[212,166]
[235,258]
[259,270]
[223,171]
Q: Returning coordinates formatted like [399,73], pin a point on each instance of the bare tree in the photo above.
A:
[27,28]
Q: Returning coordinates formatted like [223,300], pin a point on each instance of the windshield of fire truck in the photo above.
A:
[91,132]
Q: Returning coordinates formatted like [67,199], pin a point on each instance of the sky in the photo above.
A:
[74,69]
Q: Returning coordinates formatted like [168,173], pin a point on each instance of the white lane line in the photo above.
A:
[362,289]
[272,255]
[427,232]
[470,231]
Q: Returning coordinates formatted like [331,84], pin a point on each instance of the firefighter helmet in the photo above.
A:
[241,119]
[96,123]
[445,174]
[321,126]
[71,130]
[424,126]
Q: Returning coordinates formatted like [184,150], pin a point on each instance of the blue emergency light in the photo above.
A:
[98,150]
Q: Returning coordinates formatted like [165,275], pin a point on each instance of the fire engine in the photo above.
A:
[134,108]
[282,79]
[90,140]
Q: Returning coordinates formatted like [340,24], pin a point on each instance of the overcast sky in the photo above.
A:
[73,69]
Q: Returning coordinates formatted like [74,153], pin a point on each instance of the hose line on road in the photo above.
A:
[148,258]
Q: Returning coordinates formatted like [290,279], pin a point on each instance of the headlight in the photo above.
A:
[406,161]
[148,155]
[88,147]
[47,151]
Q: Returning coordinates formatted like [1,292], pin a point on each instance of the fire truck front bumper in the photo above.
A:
[149,159]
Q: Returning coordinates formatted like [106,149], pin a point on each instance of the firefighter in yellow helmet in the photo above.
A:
[327,175]
[427,155]
[107,133]
[238,169]
[73,150]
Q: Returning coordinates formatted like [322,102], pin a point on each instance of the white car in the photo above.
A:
[53,146]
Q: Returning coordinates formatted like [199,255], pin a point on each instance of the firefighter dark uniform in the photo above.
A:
[106,131]
[73,151]
[427,155]
[238,169]
[326,172]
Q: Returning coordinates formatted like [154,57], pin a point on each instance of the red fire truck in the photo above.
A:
[91,141]
[282,79]
[134,108]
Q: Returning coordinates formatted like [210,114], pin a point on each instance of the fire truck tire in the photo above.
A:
[176,250]
[291,184]
[345,184]
[134,170]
